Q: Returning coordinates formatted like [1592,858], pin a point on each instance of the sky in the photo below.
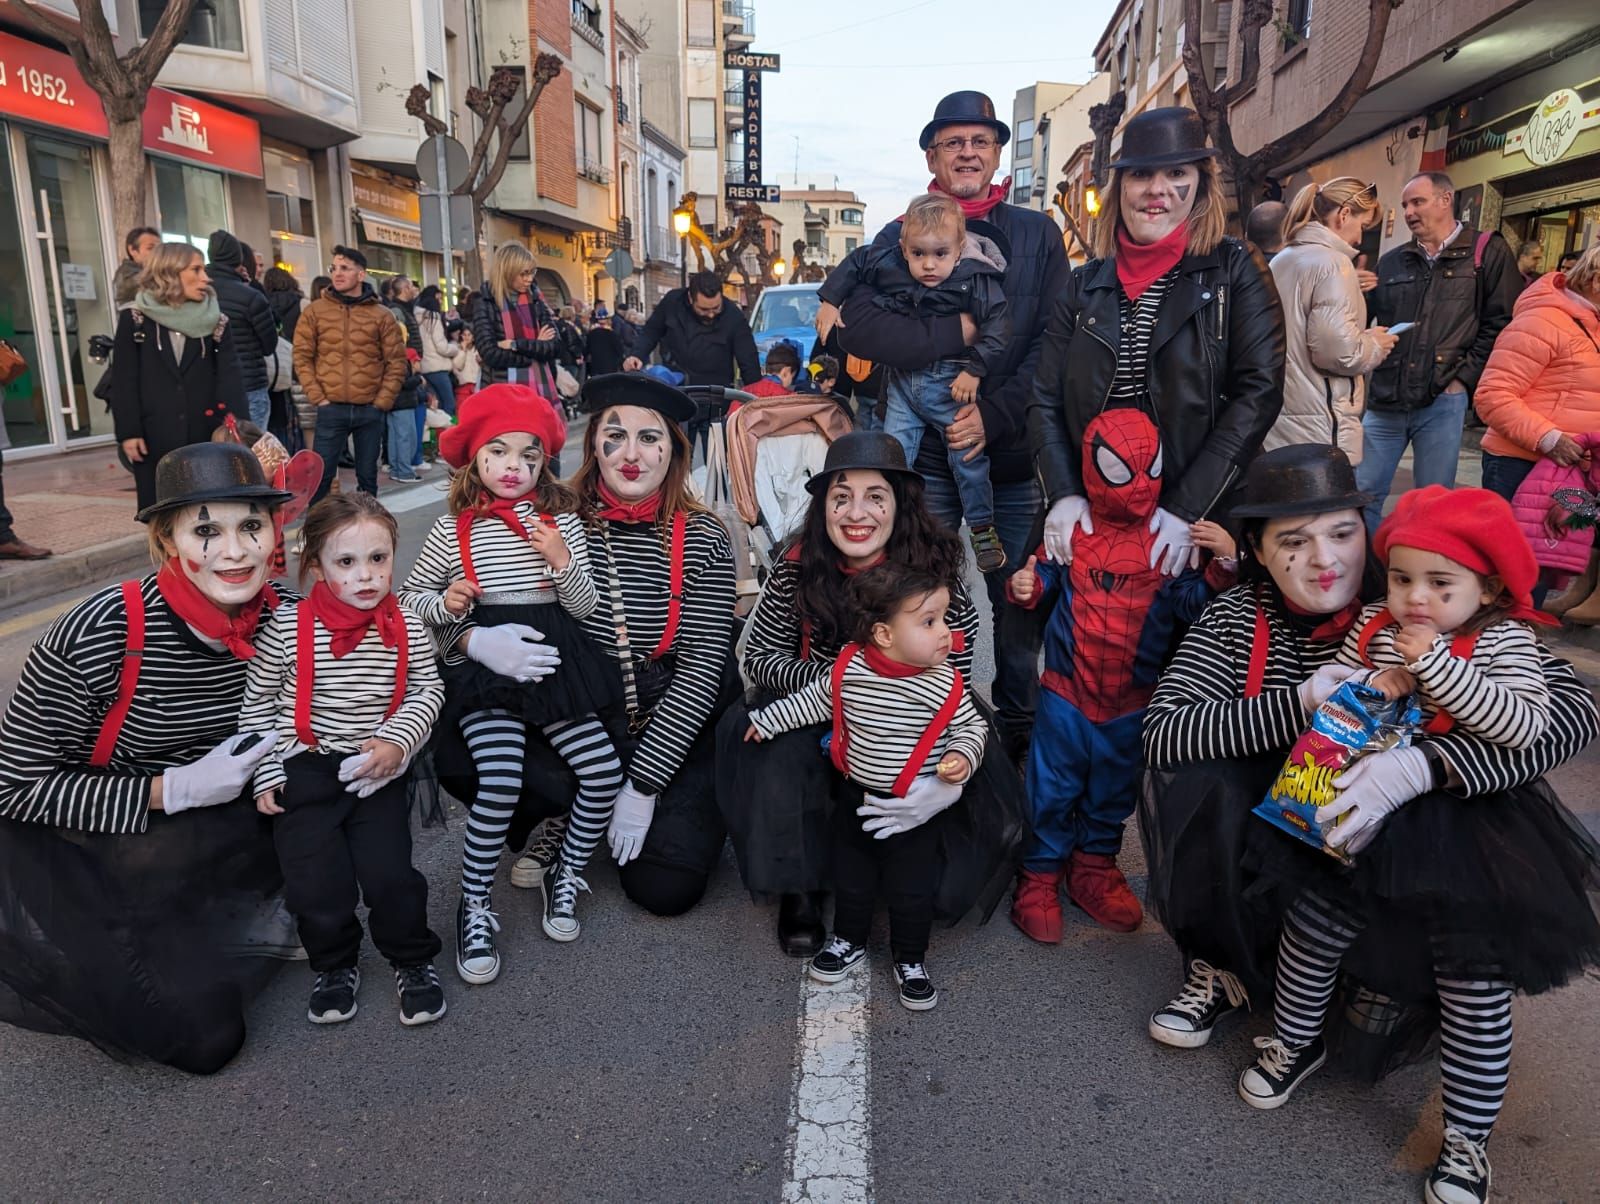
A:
[860,78]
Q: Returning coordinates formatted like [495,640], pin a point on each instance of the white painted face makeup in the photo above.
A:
[509,464]
[1316,560]
[1156,201]
[634,451]
[225,548]
[859,509]
[357,564]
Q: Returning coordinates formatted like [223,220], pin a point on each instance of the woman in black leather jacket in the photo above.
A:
[1172,317]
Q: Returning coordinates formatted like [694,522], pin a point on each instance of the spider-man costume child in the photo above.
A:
[1113,620]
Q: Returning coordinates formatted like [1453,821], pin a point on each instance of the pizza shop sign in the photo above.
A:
[1553,126]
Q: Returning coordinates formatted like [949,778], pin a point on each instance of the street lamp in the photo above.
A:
[1091,201]
[779,267]
[682,221]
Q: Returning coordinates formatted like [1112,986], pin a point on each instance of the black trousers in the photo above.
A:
[903,869]
[336,848]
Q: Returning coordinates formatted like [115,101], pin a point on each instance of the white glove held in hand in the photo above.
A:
[1065,518]
[630,821]
[1370,791]
[364,787]
[513,650]
[1174,548]
[1319,687]
[926,797]
[218,777]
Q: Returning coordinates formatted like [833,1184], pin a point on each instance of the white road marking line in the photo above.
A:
[830,1143]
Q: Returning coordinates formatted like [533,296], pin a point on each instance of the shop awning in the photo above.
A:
[389,232]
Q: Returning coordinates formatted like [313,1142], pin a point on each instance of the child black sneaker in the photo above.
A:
[917,991]
[986,544]
[529,869]
[333,996]
[1208,996]
[421,995]
[1461,1176]
[477,960]
[561,887]
[835,960]
[1278,1071]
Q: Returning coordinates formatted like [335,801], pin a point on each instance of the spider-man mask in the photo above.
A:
[1122,465]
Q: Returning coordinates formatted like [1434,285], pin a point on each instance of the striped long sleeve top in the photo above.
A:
[187,702]
[350,694]
[705,629]
[1200,713]
[779,657]
[1499,692]
[884,718]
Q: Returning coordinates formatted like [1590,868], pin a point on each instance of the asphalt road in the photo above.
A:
[657,1060]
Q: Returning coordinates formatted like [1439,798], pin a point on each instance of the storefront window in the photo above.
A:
[192,202]
[23,399]
[215,24]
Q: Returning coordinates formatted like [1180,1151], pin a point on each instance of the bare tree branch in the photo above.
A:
[545,69]
[145,62]
[49,25]
[417,101]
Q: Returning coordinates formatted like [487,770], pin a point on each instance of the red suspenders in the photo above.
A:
[1460,647]
[132,658]
[924,747]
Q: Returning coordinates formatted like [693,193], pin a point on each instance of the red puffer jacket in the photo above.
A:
[1544,372]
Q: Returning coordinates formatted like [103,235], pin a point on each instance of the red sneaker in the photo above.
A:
[1095,884]
[1036,906]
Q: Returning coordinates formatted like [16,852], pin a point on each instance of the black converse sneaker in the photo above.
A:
[477,960]
[1207,996]
[1461,1176]
[529,868]
[333,996]
[835,960]
[1278,1071]
[421,996]
[561,887]
[917,991]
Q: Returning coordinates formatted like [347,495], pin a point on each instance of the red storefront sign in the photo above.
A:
[42,86]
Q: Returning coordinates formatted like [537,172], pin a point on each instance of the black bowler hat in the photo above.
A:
[964,108]
[862,449]
[1164,138]
[210,472]
[1302,478]
[637,389]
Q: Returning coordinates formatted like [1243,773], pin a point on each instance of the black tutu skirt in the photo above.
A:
[123,940]
[778,795]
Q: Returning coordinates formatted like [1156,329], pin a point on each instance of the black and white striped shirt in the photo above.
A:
[772,650]
[1130,387]
[1499,693]
[1199,711]
[884,718]
[187,702]
[350,694]
[705,628]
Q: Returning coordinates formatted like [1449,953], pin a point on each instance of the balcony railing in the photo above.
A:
[737,10]
[661,245]
[590,170]
[586,21]
[622,107]
[733,98]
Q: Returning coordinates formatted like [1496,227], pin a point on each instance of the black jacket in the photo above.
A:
[171,401]
[604,351]
[973,287]
[1215,374]
[285,307]
[1459,310]
[488,330]
[1035,273]
[573,343]
[706,353]
[250,322]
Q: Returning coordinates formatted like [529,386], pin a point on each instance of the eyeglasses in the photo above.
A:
[979,142]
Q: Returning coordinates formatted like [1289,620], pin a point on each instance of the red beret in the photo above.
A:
[499,410]
[1473,527]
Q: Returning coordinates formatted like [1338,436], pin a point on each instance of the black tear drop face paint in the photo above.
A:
[205,544]
[1182,190]
[253,530]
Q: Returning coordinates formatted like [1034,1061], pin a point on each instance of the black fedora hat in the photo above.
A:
[1164,138]
[1302,478]
[964,108]
[210,472]
[637,389]
[862,449]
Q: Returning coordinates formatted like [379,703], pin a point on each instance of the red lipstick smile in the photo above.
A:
[630,471]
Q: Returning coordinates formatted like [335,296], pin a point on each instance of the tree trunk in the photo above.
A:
[127,172]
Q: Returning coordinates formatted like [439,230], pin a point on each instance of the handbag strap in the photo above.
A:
[619,620]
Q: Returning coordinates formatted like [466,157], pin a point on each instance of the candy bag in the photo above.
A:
[1356,720]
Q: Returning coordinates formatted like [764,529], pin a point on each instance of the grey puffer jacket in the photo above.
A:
[1328,351]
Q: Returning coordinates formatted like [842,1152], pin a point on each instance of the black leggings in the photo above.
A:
[903,869]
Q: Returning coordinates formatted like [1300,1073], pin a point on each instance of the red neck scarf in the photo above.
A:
[1333,627]
[978,208]
[883,666]
[1140,266]
[347,625]
[618,511]
[237,632]
[872,564]
[502,508]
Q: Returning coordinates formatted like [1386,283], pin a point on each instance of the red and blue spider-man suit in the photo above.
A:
[1112,621]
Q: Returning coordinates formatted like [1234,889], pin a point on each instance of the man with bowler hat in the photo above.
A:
[962,144]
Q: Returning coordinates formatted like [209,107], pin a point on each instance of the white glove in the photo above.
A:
[218,777]
[1174,544]
[630,821]
[1065,517]
[364,787]
[1370,791]
[513,650]
[1319,687]
[926,797]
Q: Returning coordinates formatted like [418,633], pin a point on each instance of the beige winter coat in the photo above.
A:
[1329,351]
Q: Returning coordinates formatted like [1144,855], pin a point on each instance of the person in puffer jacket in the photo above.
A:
[1328,354]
